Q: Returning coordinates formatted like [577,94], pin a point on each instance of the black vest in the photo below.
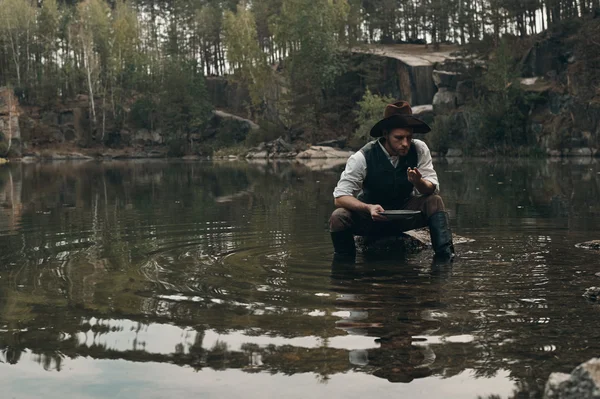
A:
[384,184]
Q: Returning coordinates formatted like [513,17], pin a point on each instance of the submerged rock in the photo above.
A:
[582,383]
[411,241]
[401,244]
[594,244]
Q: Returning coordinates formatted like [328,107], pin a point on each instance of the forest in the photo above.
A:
[146,62]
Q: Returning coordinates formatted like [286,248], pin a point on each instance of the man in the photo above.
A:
[392,172]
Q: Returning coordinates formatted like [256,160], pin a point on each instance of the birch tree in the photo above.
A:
[17,21]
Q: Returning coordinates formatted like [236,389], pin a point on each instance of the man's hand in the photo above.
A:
[414,176]
[374,210]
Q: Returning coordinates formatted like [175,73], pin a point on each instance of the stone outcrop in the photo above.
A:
[454,81]
[407,69]
[582,383]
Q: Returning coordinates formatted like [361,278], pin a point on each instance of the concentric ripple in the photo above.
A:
[229,267]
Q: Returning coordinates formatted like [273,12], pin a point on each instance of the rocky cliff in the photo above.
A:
[560,81]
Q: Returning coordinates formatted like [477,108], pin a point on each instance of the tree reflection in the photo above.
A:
[94,254]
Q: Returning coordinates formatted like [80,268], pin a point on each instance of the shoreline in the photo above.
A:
[149,156]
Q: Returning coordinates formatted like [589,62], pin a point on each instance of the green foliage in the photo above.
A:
[370,111]
[444,130]
[183,103]
[244,53]
[286,52]
[308,31]
[497,118]
[268,131]
[143,113]
[176,147]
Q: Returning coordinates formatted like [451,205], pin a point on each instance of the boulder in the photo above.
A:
[446,79]
[411,241]
[424,112]
[592,293]
[323,152]
[582,383]
[454,152]
[340,142]
[279,145]
[553,153]
[445,100]
[322,163]
[68,156]
[580,152]
[277,148]
[594,244]
[257,154]
[145,137]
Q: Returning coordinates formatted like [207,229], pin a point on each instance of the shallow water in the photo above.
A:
[173,279]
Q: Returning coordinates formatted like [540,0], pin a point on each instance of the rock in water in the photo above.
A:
[411,241]
[582,383]
[592,293]
[594,244]
[401,244]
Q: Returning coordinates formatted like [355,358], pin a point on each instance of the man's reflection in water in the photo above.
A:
[395,302]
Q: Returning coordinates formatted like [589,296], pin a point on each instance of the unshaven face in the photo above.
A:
[398,141]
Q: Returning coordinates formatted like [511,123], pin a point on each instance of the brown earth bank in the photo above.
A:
[558,79]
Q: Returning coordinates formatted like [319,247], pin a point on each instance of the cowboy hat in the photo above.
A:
[399,115]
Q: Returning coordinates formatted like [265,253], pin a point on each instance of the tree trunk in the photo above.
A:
[10,94]
[88,69]
[103,113]
[521,25]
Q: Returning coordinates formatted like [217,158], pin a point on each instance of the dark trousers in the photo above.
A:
[361,224]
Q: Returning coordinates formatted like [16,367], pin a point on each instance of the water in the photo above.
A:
[173,279]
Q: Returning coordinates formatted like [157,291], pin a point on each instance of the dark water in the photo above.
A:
[175,280]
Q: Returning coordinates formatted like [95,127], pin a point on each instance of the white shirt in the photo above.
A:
[356,170]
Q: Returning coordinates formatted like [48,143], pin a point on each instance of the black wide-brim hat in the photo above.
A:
[399,115]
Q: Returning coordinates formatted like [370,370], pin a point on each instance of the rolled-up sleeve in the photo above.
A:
[425,165]
[352,178]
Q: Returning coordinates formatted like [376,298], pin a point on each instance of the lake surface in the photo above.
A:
[214,280]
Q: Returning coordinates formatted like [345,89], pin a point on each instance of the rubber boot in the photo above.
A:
[343,245]
[441,236]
